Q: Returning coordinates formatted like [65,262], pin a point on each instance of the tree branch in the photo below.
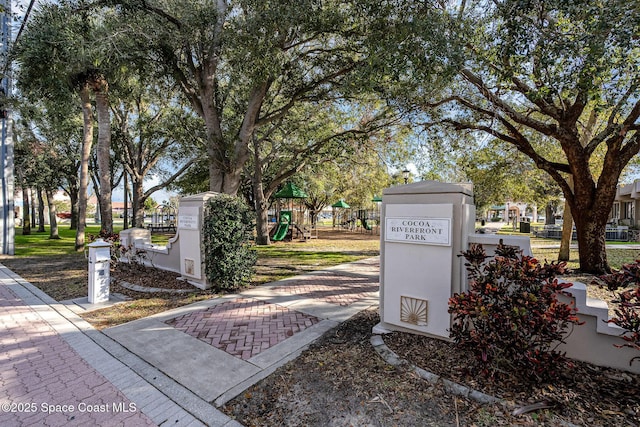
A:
[172,178]
[520,142]
[495,100]
[282,111]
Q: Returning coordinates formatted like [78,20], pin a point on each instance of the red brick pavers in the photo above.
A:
[332,287]
[243,327]
[44,382]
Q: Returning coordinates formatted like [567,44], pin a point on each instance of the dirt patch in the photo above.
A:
[62,277]
[582,394]
[148,277]
[341,381]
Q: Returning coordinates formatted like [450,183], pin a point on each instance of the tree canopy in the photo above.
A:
[537,72]
[246,64]
[557,80]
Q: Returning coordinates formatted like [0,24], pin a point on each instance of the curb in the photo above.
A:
[451,387]
[454,388]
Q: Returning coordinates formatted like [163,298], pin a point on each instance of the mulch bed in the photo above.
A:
[340,380]
[582,394]
[149,277]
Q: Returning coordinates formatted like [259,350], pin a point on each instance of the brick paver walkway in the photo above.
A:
[44,382]
[243,327]
[334,288]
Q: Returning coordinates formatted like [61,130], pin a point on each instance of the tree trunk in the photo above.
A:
[591,206]
[567,228]
[73,197]
[138,202]
[87,140]
[567,231]
[41,228]
[313,217]
[222,181]
[53,221]
[591,240]
[33,209]
[261,203]
[104,156]
[26,218]
[262,215]
[126,201]
[549,213]
[226,163]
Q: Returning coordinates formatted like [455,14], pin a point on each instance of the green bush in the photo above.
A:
[511,318]
[227,231]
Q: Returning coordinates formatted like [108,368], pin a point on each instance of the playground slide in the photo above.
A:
[365,224]
[281,232]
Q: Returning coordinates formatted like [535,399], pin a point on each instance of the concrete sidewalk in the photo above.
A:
[172,368]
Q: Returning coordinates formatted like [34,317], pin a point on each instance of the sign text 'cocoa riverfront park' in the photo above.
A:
[419,230]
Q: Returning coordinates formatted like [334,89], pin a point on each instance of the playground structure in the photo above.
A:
[291,223]
[362,220]
[282,228]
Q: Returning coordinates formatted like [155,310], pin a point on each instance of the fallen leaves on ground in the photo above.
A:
[340,380]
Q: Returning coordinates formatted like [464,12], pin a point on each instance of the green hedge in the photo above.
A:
[227,232]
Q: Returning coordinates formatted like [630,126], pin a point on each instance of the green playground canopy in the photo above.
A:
[376,198]
[290,191]
[340,204]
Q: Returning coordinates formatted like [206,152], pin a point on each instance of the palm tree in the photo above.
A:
[57,54]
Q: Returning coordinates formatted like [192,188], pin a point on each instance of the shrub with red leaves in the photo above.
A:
[627,311]
[113,239]
[511,318]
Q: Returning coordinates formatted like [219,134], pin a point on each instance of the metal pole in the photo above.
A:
[6,150]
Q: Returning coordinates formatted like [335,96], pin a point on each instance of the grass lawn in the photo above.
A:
[39,244]
[616,256]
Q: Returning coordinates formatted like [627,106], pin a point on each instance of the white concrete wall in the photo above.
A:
[490,242]
[164,257]
[183,254]
[594,341]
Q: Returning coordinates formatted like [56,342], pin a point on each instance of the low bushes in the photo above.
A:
[511,318]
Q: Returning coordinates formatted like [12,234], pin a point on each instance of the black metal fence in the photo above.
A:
[612,234]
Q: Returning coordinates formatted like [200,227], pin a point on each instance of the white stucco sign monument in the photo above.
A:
[190,218]
[426,225]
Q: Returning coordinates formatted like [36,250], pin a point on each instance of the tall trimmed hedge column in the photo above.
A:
[227,231]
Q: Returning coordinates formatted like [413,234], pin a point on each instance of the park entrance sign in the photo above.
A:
[426,226]
[419,230]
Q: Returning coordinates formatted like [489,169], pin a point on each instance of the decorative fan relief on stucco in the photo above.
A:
[413,310]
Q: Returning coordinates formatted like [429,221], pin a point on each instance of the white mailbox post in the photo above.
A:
[99,257]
